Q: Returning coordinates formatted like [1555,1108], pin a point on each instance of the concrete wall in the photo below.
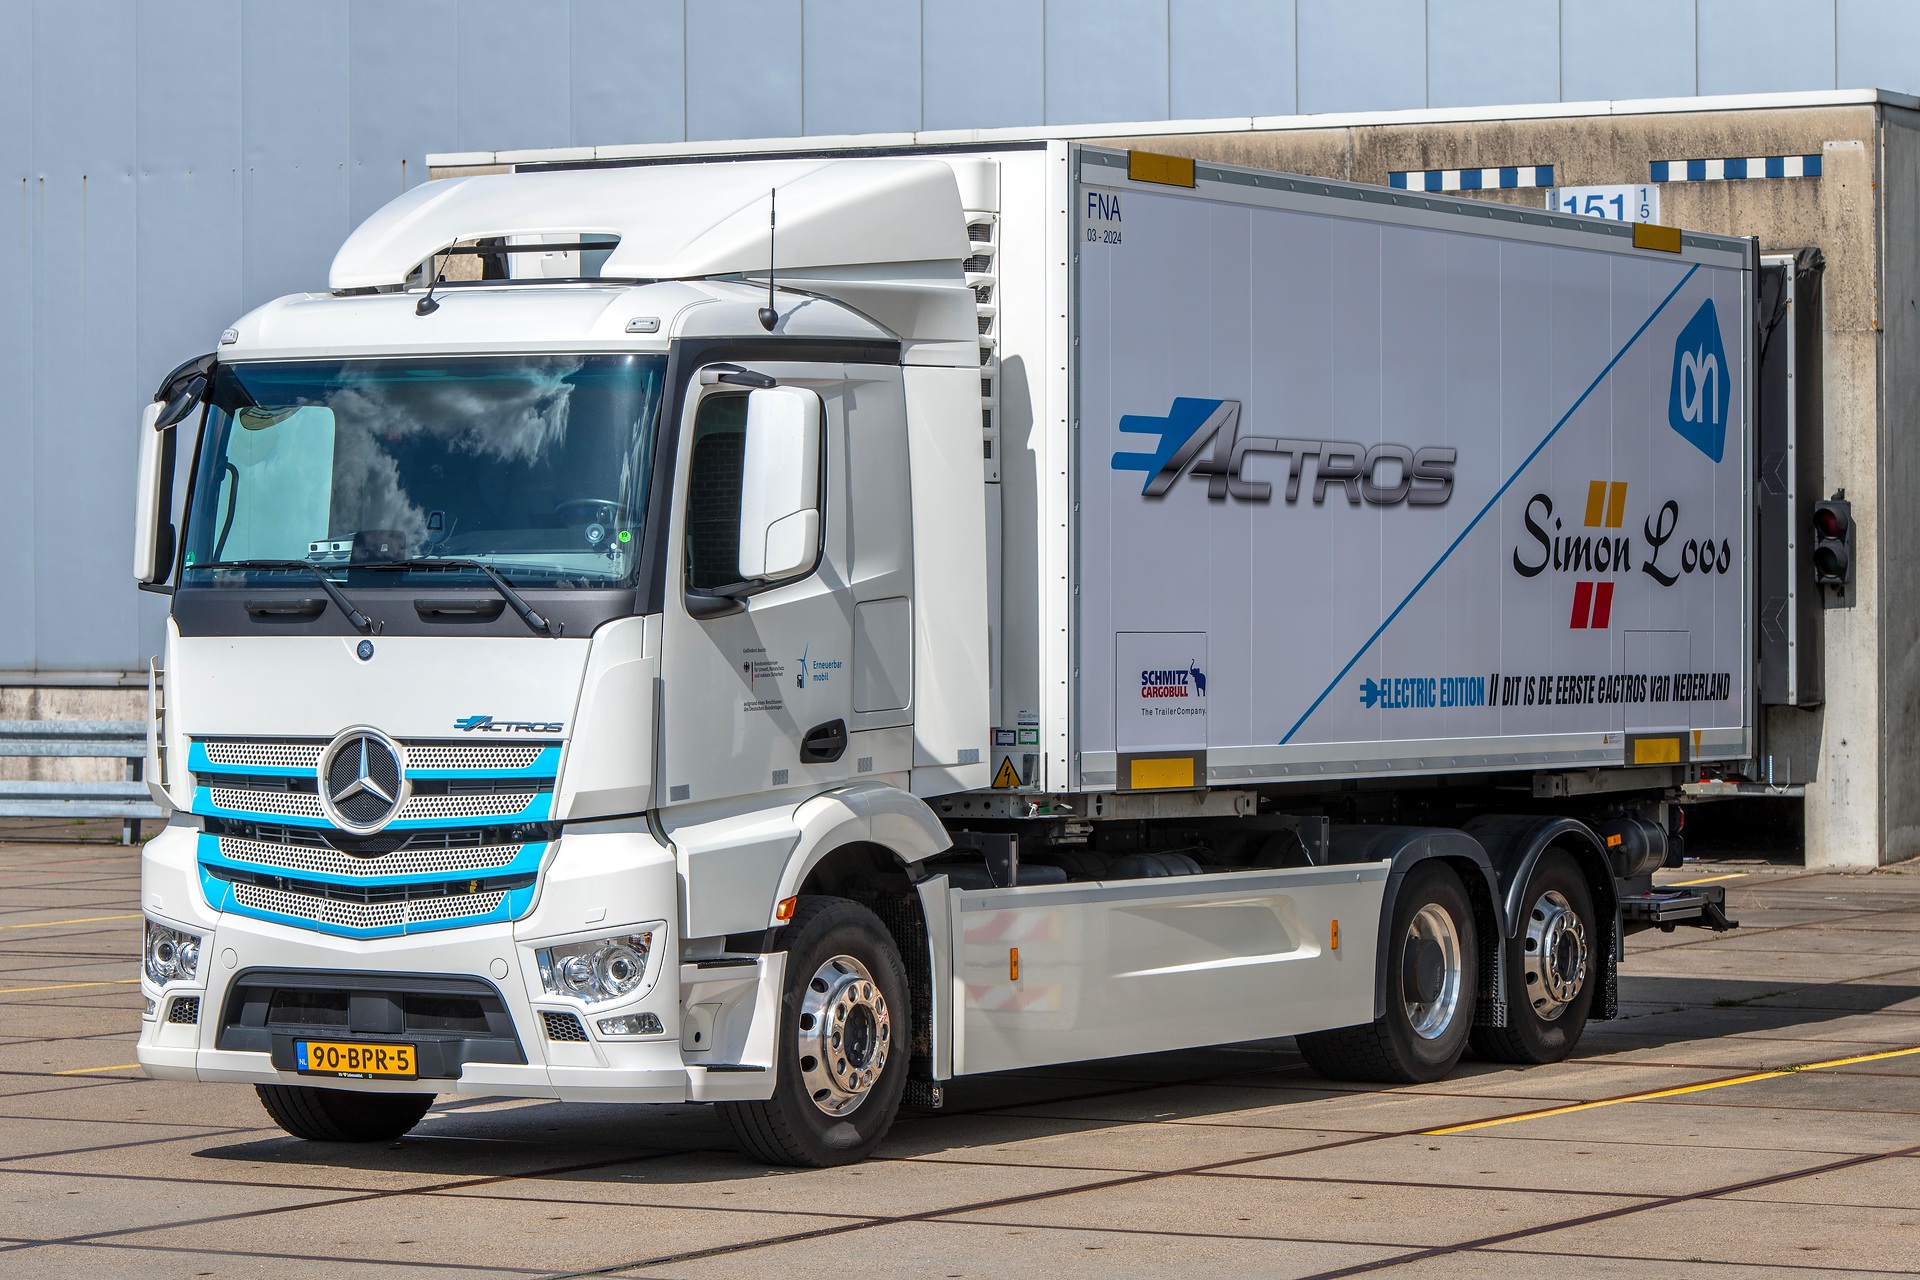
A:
[1859,754]
[1897,496]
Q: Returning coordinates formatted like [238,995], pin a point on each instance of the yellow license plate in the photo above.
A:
[332,1058]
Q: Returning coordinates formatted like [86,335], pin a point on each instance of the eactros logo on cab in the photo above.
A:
[1384,475]
[487,724]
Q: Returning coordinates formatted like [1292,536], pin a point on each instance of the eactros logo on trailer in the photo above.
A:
[1384,475]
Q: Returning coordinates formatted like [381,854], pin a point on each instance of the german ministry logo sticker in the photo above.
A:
[1697,403]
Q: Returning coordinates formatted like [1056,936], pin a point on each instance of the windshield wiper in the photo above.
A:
[360,621]
[535,620]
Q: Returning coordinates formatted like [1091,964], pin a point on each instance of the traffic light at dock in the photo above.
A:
[1833,542]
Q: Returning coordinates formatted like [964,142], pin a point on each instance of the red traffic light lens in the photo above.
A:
[1829,523]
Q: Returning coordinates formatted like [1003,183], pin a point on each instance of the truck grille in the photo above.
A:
[366,915]
[465,847]
[400,862]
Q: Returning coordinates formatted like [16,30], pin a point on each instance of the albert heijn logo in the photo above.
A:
[1593,600]
[1697,400]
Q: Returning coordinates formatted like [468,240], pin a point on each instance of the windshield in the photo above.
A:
[534,465]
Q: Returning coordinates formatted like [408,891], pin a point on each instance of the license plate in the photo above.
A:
[333,1058]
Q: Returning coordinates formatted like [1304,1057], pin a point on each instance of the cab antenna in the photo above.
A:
[768,316]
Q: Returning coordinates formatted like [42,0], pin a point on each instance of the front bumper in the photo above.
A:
[597,883]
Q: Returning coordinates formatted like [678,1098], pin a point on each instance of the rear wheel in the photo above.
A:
[342,1115]
[1551,968]
[1432,961]
[845,1038]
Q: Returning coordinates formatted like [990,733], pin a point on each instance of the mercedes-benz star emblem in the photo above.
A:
[362,780]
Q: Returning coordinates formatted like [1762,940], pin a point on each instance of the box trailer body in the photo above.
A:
[1354,457]
[901,616]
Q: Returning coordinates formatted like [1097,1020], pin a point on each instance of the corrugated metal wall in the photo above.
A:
[179,162]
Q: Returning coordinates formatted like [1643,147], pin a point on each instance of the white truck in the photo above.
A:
[789,632]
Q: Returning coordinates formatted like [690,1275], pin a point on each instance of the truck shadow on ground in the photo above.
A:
[1260,1083]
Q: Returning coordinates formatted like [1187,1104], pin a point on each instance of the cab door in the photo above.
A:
[757,684]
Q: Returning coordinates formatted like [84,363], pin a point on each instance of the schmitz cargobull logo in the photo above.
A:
[1384,475]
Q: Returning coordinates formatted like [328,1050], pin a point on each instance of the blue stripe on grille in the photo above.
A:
[544,765]
[526,862]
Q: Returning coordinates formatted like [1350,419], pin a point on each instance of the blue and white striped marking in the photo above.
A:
[1510,178]
[1736,169]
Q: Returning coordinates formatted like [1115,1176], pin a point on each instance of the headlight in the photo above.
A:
[598,971]
[171,954]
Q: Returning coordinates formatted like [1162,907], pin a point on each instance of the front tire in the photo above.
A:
[1551,966]
[342,1115]
[1433,971]
[846,1034]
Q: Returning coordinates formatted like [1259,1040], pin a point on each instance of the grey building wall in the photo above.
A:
[177,163]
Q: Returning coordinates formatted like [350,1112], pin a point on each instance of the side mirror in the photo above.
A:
[780,484]
[153,516]
[181,402]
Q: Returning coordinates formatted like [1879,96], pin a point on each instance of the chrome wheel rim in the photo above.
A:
[1556,955]
[1430,979]
[846,1033]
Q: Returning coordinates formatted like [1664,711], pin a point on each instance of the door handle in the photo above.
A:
[824,743]
[309,607]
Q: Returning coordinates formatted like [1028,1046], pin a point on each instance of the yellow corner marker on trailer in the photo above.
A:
[1656,751]
[1156,775]
[1651,235]
[1168,171]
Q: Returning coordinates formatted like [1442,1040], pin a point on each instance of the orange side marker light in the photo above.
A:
[1013,964]
[784,911]
[1333,940]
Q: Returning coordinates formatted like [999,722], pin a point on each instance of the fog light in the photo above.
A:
[152,1008]
[597,971]
[171,955]
[631,1024]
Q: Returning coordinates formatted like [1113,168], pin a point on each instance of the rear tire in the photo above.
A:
[1433,972]
[1551,968]
[342,1115]
[846,1034]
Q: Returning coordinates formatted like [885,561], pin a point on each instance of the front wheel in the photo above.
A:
[1551,966]
[846,1033]
[342,1115]
[1433,971]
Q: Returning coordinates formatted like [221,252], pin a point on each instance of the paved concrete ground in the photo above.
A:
[1222,1162]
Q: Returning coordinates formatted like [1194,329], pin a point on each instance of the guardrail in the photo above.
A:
[128,801]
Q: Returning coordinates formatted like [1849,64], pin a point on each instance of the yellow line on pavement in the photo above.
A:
[67,986]
[1676,884]
[1670,1093]
[87,1071]
[49,924]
